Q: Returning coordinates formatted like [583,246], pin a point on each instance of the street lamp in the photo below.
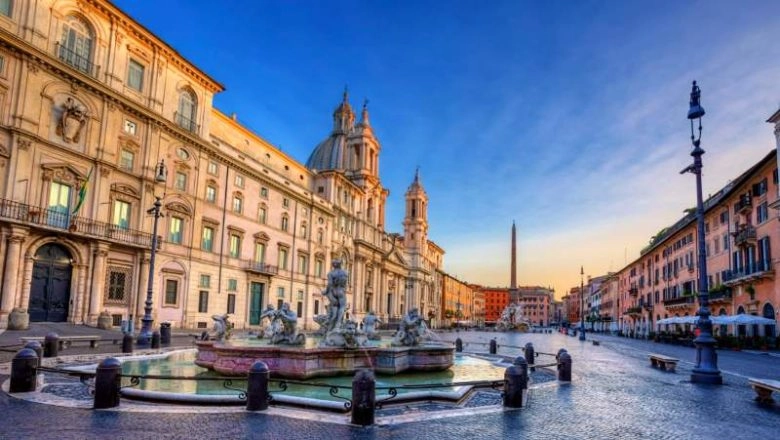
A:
[706,366]
[582,305]
[145,334]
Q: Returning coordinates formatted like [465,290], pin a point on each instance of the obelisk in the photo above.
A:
[514,296]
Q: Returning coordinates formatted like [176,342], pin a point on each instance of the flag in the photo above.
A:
[82,193]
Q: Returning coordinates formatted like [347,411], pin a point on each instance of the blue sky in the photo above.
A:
[567,117]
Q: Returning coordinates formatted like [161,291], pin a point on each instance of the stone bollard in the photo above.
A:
[363,398]
[127,343]
[459,345]
[37,348]
[51,345]
[24,371]
[515,383]
[107,383]
[493,346]
[564,367]
[156,340]
[529,355]
[257,387]
[165,334]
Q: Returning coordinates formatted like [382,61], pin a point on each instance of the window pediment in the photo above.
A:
[261,236]
[179,207]
[210,221]
[126,190]
[64,173]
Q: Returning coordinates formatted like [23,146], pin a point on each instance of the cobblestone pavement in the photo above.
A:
[614,394]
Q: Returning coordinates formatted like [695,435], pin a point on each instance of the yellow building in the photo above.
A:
[92,104]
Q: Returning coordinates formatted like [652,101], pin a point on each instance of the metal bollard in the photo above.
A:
[165,334]
[530,355]
[257,387]
[363,398]
[493,346]
[156,340]
[51,345]
[564,367]
[459,345]
[515,383]
[107,384]
[24,371]
[127,343]
[37,348]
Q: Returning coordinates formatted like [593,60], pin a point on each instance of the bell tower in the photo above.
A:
[416,218]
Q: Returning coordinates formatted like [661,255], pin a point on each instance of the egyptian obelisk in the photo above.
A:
[514,295]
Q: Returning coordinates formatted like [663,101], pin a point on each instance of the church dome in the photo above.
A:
[330,154]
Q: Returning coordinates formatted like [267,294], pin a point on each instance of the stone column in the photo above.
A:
[29,261]
[80,294]
[98,282]
[11,274]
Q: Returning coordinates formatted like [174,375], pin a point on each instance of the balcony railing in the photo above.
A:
[754,270]
[185,122]
[76,60]
[633,311]
[258,267]
[723,295]
[745,204]
[65,222]
[681,301]
[746,235]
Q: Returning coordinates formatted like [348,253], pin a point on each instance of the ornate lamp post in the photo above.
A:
[145,334]
[582,305]
[706,366]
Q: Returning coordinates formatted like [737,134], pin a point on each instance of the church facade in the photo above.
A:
[99,118]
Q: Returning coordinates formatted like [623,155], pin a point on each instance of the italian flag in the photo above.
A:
[82,192]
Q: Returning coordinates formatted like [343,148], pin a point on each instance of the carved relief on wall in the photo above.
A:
[62,173]
[72,120]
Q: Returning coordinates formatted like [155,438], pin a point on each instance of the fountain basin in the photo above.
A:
[302,363]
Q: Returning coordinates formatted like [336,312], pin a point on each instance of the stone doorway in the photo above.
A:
[50,287]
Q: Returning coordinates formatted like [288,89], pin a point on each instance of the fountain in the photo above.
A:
[512,319]
[342,348]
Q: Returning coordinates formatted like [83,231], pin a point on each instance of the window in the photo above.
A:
[238,204]
[232,285]
[280,292]
[283,258]
[213,168]
[760,188]
[188,106]
[175,230]
[299,310]
[231,303]
[285,223]
[260,252]
[762,213]
[235,245]
[205,281]
[264,192]
[118,284]
[5,7]
[262,214]
[203,302]
[303,264]
[300,295]
[130,127]
[121,217]
[303,230]
[75,48]
[171,292]
[126,159]
[286,202]
[320,236]
[211,194]
[181,181]
[182,154]
[239,180]
[207,239]
[135,75]
[318,268]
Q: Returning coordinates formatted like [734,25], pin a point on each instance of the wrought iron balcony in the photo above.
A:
[745,204]
[185,122]
[753,271]
[259,267]
[76,60]
[721,296]
[746,235]
[64,222]
[633,311]
[683,301]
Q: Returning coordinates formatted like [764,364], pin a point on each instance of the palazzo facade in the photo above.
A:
[91,103]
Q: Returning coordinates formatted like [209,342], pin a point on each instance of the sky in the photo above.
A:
[566,117]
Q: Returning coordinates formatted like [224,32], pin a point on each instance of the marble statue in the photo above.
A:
[221,327]
[336,293]
[369,326]
[284,327]
[411,329]
[269,313]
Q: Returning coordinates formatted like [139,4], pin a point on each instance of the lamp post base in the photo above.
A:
[709,377]
[144,339]
[582,333]
[706,369]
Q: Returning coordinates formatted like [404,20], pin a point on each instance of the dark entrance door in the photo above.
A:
[50,288]
[255,302]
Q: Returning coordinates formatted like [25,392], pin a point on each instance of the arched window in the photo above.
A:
[188,108]
[76,45]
